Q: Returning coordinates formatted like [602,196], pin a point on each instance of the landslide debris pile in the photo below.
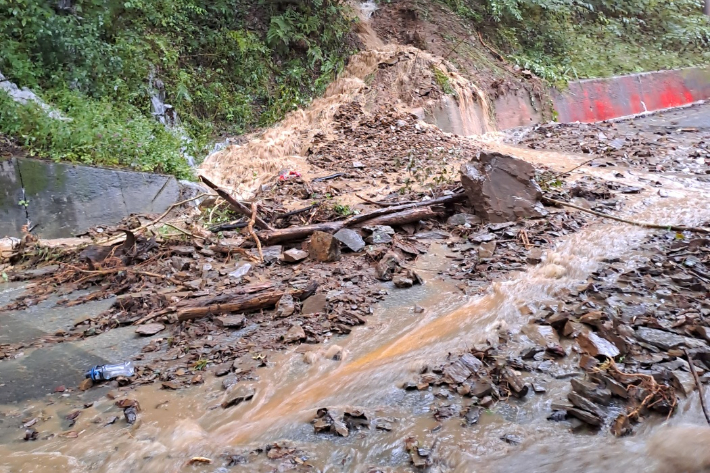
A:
[386,141]
[376,86]
[667,147]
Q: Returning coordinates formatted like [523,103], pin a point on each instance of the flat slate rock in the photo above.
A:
[230,321]
[350,238]
[149,329]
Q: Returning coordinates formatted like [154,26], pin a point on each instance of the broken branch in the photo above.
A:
[381,204]
[250,230]
[295,233]
[697,383]
[675,228]
[236,205]
[240,302]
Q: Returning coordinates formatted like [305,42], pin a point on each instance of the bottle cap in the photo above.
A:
[94,374]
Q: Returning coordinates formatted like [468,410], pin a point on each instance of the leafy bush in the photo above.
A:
[94,132]
[227,65]
[561,40]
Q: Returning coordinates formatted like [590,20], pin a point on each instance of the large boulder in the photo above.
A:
[501,188]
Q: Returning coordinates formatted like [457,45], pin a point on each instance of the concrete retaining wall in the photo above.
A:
[65,199]
[594,100]
[602,99]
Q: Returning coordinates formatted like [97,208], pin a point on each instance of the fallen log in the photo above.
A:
[224,297]
[197,301]
[270,237]
[239,302]
[402,218]
[236,205]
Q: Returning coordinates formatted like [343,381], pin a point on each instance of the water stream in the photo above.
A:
[394,345]
[378,357]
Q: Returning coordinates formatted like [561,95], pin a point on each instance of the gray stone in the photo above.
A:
[659,338]
[294,255]
[230,321]
[380,234]
[229,381]
[534,256]
[464,219]
[350,238]
[591,391]
[314,304]
[66,199]
[683,381]
[585,404]
[483,237]
[149,329]
[585,416]
[596,345]
[487,249]
[324,247]
[432,235]
[237,394]
[241,271]
[285,306]
[271,253]
[294,334]
[501,188]
[456,373]
[471,362]
[402,281]
[543,335]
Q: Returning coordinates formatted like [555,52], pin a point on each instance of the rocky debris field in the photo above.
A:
[659,145]
[219,287]
[625,339]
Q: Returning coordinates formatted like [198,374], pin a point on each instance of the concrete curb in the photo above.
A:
[595,100]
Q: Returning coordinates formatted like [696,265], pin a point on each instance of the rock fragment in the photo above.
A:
[324,247]
[294,255]
[501,188]
[350,238]
[596,345]
[149,329]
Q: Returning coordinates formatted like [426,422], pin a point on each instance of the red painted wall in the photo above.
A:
[602,99]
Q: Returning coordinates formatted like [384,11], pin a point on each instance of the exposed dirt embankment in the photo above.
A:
[412,65]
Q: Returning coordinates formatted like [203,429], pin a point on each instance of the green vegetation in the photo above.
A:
[94,132]
[227,66]
[443,80]
[561,40]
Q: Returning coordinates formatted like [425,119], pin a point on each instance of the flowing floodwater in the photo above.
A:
[378,357]
[394,346]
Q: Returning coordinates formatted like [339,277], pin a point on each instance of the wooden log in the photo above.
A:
[244,302]
[403,218]
[236,205]
[271,237]
[224,297]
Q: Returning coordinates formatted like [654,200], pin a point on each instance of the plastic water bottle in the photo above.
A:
[106,372]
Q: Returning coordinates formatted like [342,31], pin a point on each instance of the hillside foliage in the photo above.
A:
[227,65]
[562,40]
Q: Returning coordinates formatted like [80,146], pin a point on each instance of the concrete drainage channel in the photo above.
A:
[60,200]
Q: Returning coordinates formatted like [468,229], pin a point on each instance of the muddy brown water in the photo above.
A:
[378,357]
[396,342]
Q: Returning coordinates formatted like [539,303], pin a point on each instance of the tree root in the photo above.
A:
[701,394]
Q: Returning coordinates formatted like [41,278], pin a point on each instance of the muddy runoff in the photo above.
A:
[181,430]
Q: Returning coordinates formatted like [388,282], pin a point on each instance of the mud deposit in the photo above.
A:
[420,339]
